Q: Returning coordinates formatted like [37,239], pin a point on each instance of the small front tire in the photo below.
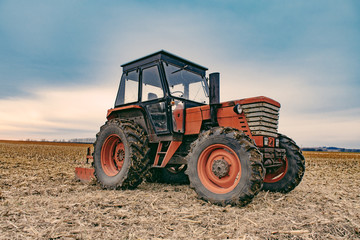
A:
[287,177]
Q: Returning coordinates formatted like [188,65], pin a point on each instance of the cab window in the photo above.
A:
[129,88]
[151,84]
[186,84]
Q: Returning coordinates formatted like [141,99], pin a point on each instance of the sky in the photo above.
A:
[60,60]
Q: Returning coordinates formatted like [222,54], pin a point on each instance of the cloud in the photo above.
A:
[56,113]
[338,128]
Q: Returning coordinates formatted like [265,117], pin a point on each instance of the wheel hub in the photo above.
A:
[220,168]
[121,155]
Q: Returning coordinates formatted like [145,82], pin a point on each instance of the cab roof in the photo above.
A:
[167,57]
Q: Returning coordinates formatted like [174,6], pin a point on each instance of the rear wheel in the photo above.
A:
[224,167]
[289,175]
[120,154]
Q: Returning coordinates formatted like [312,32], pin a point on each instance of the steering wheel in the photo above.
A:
[178,92]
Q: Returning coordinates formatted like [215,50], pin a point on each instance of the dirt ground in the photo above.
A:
[40,199]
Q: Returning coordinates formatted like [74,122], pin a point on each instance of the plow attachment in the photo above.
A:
[85,174]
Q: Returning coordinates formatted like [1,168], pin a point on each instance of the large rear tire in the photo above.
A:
[224,167]
[120,155]
[287,177]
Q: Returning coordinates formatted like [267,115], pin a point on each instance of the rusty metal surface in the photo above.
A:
[84,174]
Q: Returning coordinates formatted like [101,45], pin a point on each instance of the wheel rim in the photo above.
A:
[219,169]
[278,174]
[112,155]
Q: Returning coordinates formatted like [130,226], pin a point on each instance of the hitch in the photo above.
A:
[85,174]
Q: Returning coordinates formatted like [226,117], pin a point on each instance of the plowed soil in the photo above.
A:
[40,199]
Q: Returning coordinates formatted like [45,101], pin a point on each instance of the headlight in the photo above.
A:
[266,141]
[277,143]
[238,109]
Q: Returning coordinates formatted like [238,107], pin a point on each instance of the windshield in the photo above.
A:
[186,84]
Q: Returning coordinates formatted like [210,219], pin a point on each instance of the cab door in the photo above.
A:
[153,99]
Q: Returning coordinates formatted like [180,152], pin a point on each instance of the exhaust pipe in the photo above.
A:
[214,96]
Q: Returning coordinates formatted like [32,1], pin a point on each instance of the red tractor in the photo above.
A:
[168,122]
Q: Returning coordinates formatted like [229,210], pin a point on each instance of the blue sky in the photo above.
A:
[59,60]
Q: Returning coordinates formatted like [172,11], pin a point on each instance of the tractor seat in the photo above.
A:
[152,96]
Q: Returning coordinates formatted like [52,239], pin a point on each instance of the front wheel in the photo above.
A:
[286,177]
[224,167]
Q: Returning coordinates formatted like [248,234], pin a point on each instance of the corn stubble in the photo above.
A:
[40,199]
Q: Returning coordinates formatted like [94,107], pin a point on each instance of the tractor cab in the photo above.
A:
[163,85]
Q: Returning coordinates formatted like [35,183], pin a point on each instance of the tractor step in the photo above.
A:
[84,174]
[163,156]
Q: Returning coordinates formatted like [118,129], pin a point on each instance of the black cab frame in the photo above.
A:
[163,85]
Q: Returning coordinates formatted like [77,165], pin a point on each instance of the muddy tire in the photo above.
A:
[224,167]
[120,155]
[287,177]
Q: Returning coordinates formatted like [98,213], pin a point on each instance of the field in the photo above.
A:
[40,199]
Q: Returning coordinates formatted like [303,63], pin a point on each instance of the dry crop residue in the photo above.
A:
[40,199]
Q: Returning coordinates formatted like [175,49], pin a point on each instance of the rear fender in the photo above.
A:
[115,112]
[133,112]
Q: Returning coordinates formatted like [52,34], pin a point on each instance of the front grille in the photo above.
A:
[262,118]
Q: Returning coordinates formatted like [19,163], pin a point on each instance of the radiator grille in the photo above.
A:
[262,118]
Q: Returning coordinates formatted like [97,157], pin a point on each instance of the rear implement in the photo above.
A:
[85,174]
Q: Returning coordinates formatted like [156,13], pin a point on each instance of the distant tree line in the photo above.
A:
[74,140]
[329,149]
[82,140]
